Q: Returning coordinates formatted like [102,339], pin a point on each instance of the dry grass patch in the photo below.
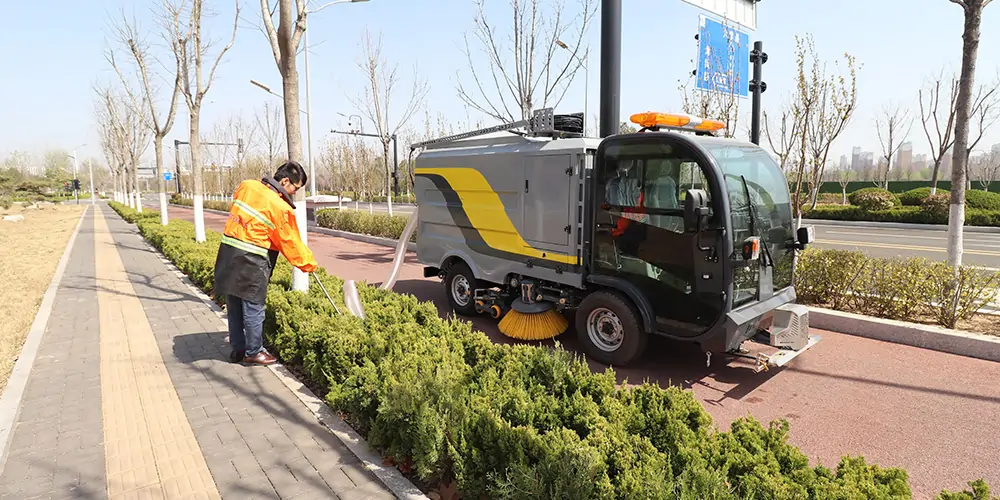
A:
[29,253]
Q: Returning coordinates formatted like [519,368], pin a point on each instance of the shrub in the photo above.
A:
[222,206]
[6,202]
[875,200]
[980,491]
[825,276]
[132,215]
[518,421]
[914,197]
[353,221]
[893,288]
[912,215]
[856,197]
[982,200]
[937,206]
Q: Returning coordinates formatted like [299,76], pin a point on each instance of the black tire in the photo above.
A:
[633,338]
[460,271]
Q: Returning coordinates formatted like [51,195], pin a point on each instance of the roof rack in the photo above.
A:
[543,123]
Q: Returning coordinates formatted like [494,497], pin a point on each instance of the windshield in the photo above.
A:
[772,213]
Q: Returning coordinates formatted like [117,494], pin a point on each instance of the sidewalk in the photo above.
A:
[131,396]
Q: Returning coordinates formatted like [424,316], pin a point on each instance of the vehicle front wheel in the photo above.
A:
[610,329]
[460,287]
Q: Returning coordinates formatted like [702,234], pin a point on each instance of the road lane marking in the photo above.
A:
[893,246]
[150,448]
[975,240]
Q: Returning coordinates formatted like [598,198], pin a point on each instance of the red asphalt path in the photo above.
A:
[935,414]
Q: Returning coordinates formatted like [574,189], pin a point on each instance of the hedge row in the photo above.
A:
[519,421]
[222,206]
[916,206]
[354,221]
[893,288]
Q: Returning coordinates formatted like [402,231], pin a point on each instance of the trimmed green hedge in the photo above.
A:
[222,206]
[892,288]
[132,215]
[913,215]
[353,221]
[519,421]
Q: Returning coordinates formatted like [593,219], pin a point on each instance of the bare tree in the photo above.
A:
[804,105]
[892,125]
[985,169]
[125,129]
[376,104]
[130,35]
[985,111]
[527,72]
[943,120]
[845,176]
[190,49]
[783,137]
[973,17]
[836,101]
[271,127]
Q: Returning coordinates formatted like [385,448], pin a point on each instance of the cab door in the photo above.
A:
[638,223]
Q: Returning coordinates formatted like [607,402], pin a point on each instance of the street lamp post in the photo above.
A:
[90,168]
[586,78]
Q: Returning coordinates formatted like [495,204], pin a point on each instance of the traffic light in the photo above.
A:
[76,184]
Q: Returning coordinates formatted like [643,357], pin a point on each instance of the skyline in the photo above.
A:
[56,63]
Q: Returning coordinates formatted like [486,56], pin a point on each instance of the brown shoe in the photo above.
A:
[262,358]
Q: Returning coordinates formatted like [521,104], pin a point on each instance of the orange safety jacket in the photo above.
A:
[261,225]
[629,214]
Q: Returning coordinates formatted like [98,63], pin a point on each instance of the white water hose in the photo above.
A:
[404,239]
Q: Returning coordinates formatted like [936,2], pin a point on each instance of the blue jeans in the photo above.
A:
[246,325]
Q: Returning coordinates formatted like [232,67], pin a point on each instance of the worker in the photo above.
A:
[261,225]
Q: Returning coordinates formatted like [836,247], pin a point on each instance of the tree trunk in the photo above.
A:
[934,176]
[137,190]
[843,195]
[199,188]
[970,50]
[161,184]
[293,126]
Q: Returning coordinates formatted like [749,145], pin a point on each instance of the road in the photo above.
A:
[981,249]
[929,412]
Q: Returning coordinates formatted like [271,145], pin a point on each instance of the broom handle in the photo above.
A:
[335,308]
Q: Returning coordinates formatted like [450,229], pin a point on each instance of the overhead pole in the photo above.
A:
[611,66]
[757,86]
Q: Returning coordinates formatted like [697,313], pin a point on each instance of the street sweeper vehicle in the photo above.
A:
[669,231]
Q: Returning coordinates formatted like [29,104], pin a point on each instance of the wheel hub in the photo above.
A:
[461,291]
[605,329]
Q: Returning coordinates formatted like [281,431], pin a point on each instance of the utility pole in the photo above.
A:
[611,67]
[90,167]
[76,191]
[757,87]
[309,120]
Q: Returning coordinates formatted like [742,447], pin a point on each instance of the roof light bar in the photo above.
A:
[654,120]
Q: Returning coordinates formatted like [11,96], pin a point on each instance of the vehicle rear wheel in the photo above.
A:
[609,327]
[460,287]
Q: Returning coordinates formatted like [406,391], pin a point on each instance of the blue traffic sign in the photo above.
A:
[723,58]
[168,176]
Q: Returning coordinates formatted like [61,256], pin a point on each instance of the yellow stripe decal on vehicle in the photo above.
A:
[488,216]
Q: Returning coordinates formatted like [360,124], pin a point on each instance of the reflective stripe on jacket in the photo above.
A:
[261,225]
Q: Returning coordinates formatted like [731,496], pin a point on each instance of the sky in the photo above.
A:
[53,54]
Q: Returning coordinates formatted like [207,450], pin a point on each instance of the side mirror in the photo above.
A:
[805,235]
[695,209]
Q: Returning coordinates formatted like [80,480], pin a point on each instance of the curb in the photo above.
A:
[10,402]
[898,225]
[374,240]
[390,477]
[935,338]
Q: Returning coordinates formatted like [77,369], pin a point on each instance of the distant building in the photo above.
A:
[856,160]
